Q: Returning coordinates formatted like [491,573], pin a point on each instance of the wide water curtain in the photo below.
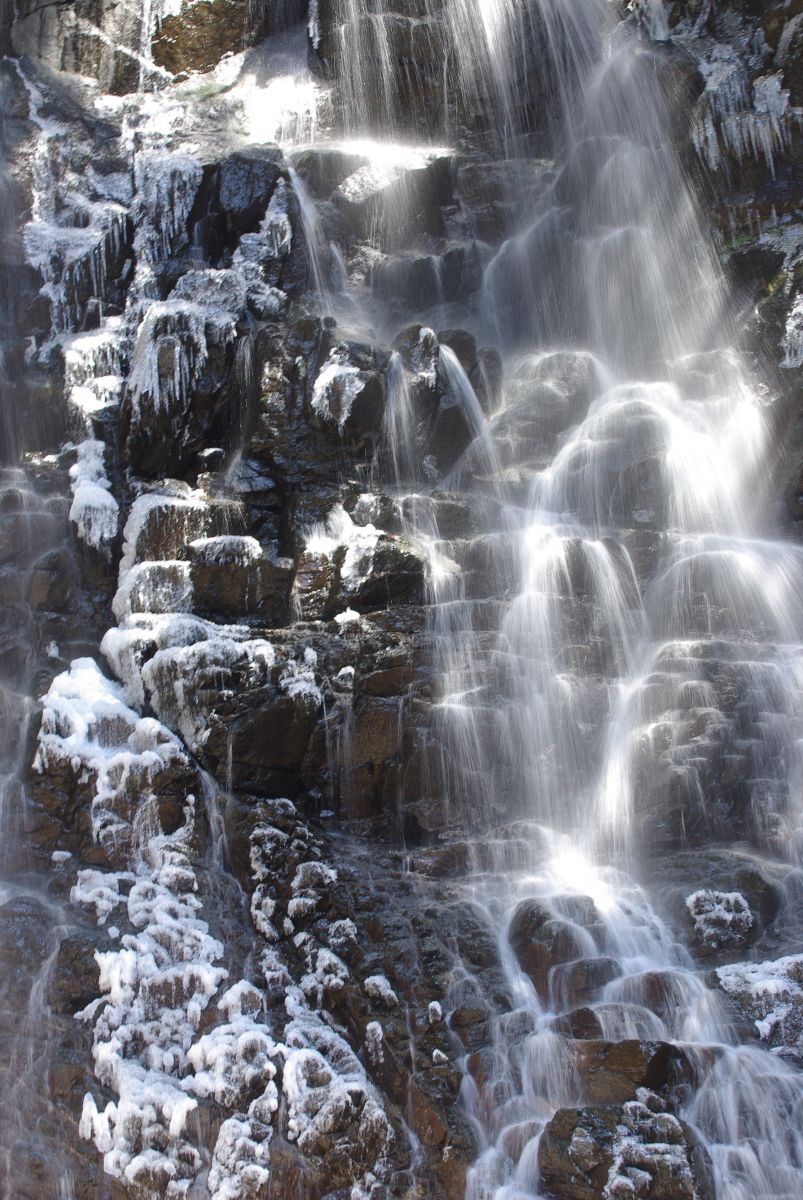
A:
[401,600]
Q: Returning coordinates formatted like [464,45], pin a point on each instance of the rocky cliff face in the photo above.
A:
[241,958]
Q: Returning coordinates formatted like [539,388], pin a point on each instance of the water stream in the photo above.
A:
[577,699]
[622,631]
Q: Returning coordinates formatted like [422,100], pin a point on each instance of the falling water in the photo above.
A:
[619,634]
[624,459]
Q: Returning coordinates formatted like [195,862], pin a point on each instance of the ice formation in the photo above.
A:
[155,988]
[735,118]
[792,344]
[87,724]
[336,388]
[378,988]
[719,917]
[358,542]
[94,511]
[771,994]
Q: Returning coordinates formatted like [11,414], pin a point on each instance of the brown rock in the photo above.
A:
[291,1174]
[542,942]
[580,982]
[612,1072]
[575,1154]
[76,976]
[579,1023]
[197,38]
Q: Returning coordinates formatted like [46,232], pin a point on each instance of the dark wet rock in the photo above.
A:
[51,583]
[498,193]
[24,925]
[579,1023]
[578,983]
[324,168]
[74,981]
[231,580]
[613,1072]
[170,406]
[789,57]
[256,731]
[542,941]
[375,573]
[452,431]
[414,282]
[709,872]
[401,202]
[592,1152]
[292,1173]
[233,197]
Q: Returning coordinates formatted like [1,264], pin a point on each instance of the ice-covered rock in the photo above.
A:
[94,511]
[129,765]
[720,918]
[155,988]
[771,995]
[337,386]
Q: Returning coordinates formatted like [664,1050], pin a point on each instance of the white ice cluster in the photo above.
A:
[169,355]
[378,988]
[298,678]
[70,237]
[88,727]
[792,343]
[94,511]
[164,970]
[719,918]
[734,118]
[336,388]
[155,987]
[357,541]
[170,657]
[771,994]
[157,981]
[92,373]
[166,184]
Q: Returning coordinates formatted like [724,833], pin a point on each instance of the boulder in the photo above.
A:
[233,577]
[197,36]
[542,940]
[324,168]
[233,197]
[770,995]
[613,1072]
[398,198]
[632,1151]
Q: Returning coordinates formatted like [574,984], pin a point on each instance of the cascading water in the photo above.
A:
[613,638]
[640,589]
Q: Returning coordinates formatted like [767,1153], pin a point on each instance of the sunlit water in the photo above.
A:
[635,586]
[626,457]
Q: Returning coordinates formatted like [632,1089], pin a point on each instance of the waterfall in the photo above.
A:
[576,702]
[419,488]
